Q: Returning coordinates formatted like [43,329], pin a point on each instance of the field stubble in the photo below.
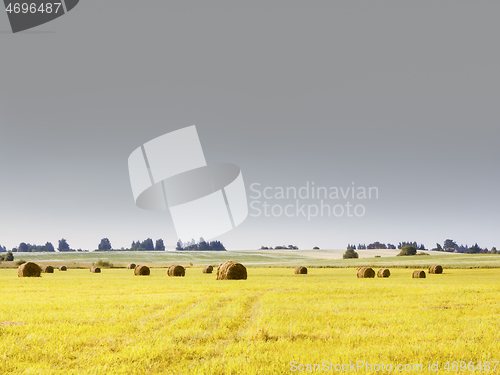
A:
[76,322]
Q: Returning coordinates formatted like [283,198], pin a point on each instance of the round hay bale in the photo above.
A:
[48,269]
[300,270]
[366,272]
[435,269]
[29,269]
[131,266]
[208,269]
[419,274]
[62,268]
[95,270]
[176,270]
[383,272]
[141,270]
[358,272]
[230,270]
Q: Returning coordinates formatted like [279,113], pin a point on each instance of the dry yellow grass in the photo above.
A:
[76,323]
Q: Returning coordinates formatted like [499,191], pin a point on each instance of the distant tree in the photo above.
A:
[202,245]
[49,247]
[377,245]
[3,249]
[105,244]
[449,245]
[391,246]
[438,247]
[27,247]
[264,248]
[289,247]
[191,245]
[22,248]
[475,249]
[350,254]
[63,245]
[148,244]
[407,243]
[315,248]
[408,250]
[217,245]
[493,250]
[160,246]
[9,257]
[349,246]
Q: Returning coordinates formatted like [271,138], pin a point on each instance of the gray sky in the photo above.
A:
[402,96]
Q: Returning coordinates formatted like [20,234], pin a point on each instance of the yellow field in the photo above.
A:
[76,322]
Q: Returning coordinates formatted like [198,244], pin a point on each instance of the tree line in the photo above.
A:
[148,245]
[411,247]
[451,246]
[379,245]
[105,245]
[201,245]
[289,247]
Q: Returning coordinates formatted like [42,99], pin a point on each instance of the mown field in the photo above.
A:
[76,322]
